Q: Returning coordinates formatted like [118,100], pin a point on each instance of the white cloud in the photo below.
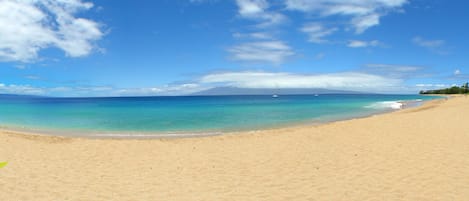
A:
[29,26]
[396,71]
[274,51]
[166,90]
[436,46]
[362,23]
[202,1]
[400,68]
[93,91]
[320,56]
[257,10]
[343,81]
[427,43]
[249,8]
[32,77]
[432,86]
[364,13]
[262,45]
[255,35]
[316,32]
[459,75]
[353,81]
[21,89]
[359,43]
[20,67]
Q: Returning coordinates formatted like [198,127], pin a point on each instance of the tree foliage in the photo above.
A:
[464,89]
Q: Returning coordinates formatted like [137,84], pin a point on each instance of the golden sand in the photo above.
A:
[413,154]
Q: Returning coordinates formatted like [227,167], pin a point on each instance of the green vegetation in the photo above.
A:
[3,164]
[464,89]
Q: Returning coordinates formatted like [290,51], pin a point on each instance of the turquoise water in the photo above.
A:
[187,114]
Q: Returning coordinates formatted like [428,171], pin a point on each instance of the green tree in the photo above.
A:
[466,87]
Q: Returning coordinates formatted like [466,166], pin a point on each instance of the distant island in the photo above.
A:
[464,89]
[221,91]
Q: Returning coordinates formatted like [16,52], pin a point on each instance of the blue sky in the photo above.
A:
[176,47]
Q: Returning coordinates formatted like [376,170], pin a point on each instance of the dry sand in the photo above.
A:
[413,154]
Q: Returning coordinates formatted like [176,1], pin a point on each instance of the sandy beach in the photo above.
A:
[414,154]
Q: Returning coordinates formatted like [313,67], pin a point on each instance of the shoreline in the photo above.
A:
[413,154]
[196,134]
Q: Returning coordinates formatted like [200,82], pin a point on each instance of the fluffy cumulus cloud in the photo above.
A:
[28,26]
[363,13]
[343,81]
[272,51]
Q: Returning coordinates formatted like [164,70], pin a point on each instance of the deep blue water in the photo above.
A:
[187,114]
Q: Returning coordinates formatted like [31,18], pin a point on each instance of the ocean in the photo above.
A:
[188,115]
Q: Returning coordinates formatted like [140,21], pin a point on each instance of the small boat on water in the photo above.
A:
[276,92]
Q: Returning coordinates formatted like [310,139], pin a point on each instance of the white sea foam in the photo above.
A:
[395,105]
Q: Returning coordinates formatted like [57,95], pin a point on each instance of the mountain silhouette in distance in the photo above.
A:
[220,91]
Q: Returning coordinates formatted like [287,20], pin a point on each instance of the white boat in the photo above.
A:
[276,93]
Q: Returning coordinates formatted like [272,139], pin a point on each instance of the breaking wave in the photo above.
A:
[394,105]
